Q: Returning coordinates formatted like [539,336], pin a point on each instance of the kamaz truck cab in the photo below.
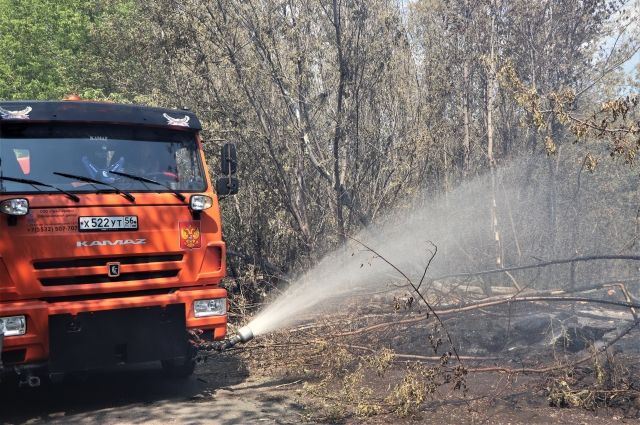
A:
[111,248]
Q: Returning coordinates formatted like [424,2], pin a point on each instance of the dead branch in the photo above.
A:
[627,297]
[416,290]
[494,301]
[559,366]
[516,285]
[418,357]
[542,264]
[433,255]
[509,300]
[436,358]
[381,325]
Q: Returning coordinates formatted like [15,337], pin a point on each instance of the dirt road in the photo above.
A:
[220,392]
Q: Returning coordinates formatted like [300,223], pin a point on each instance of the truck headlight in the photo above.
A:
[16,206]
[214,307]
[200,202]
[13,325]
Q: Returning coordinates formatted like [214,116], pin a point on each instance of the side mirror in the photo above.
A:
[226,186]
[228,159]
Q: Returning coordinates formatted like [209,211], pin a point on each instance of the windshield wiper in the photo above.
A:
[146,180]
[35,183]
[94,181]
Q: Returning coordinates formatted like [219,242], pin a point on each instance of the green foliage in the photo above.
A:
[42,41]
[614,122]
[53,47]
[124,61]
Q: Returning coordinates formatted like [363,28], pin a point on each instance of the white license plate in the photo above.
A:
[106,222]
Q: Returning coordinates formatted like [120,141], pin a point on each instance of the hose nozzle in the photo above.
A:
[244,334]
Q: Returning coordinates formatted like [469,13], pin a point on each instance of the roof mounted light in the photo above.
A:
[17,206]
[200,202]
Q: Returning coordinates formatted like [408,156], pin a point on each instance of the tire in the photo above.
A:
[181,368]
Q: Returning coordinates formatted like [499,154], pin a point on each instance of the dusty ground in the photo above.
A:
[338,359]
[220,392]
[223,392]
[277,379]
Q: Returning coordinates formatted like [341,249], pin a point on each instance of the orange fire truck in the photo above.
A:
[111,248]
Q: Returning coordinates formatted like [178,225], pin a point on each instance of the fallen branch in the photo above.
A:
[542,264]
[546,369]
[627,297]
[560,366]
[288,383]
[435,358]
[494,301]
[416,289]
[509,300]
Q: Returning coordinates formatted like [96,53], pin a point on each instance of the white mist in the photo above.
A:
[460,226]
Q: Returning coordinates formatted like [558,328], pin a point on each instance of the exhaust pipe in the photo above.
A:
[244,334]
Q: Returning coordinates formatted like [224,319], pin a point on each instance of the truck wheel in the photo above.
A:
[182,367]
[179,368]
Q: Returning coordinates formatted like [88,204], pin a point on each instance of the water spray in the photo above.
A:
[403,239]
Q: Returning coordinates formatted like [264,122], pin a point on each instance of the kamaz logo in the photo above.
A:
[81,244]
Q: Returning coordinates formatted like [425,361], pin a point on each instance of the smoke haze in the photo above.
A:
[546,208]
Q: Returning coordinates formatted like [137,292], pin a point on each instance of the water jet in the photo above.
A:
[243,335]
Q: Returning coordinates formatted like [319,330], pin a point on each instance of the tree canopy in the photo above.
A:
[345,109]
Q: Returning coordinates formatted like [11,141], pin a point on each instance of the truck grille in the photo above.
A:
[94,262]
[86,271]
[108,295]
[103,278]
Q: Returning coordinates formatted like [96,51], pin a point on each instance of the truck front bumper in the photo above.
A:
[34,345]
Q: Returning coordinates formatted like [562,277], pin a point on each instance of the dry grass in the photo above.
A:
[378,362]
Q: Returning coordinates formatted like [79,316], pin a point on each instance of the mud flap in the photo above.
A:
[101,339]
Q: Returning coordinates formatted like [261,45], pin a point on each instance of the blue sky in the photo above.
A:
[632,9]
[631,66]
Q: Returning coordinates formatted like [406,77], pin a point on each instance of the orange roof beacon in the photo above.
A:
[111,247]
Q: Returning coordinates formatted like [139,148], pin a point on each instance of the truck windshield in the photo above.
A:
[44,152]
